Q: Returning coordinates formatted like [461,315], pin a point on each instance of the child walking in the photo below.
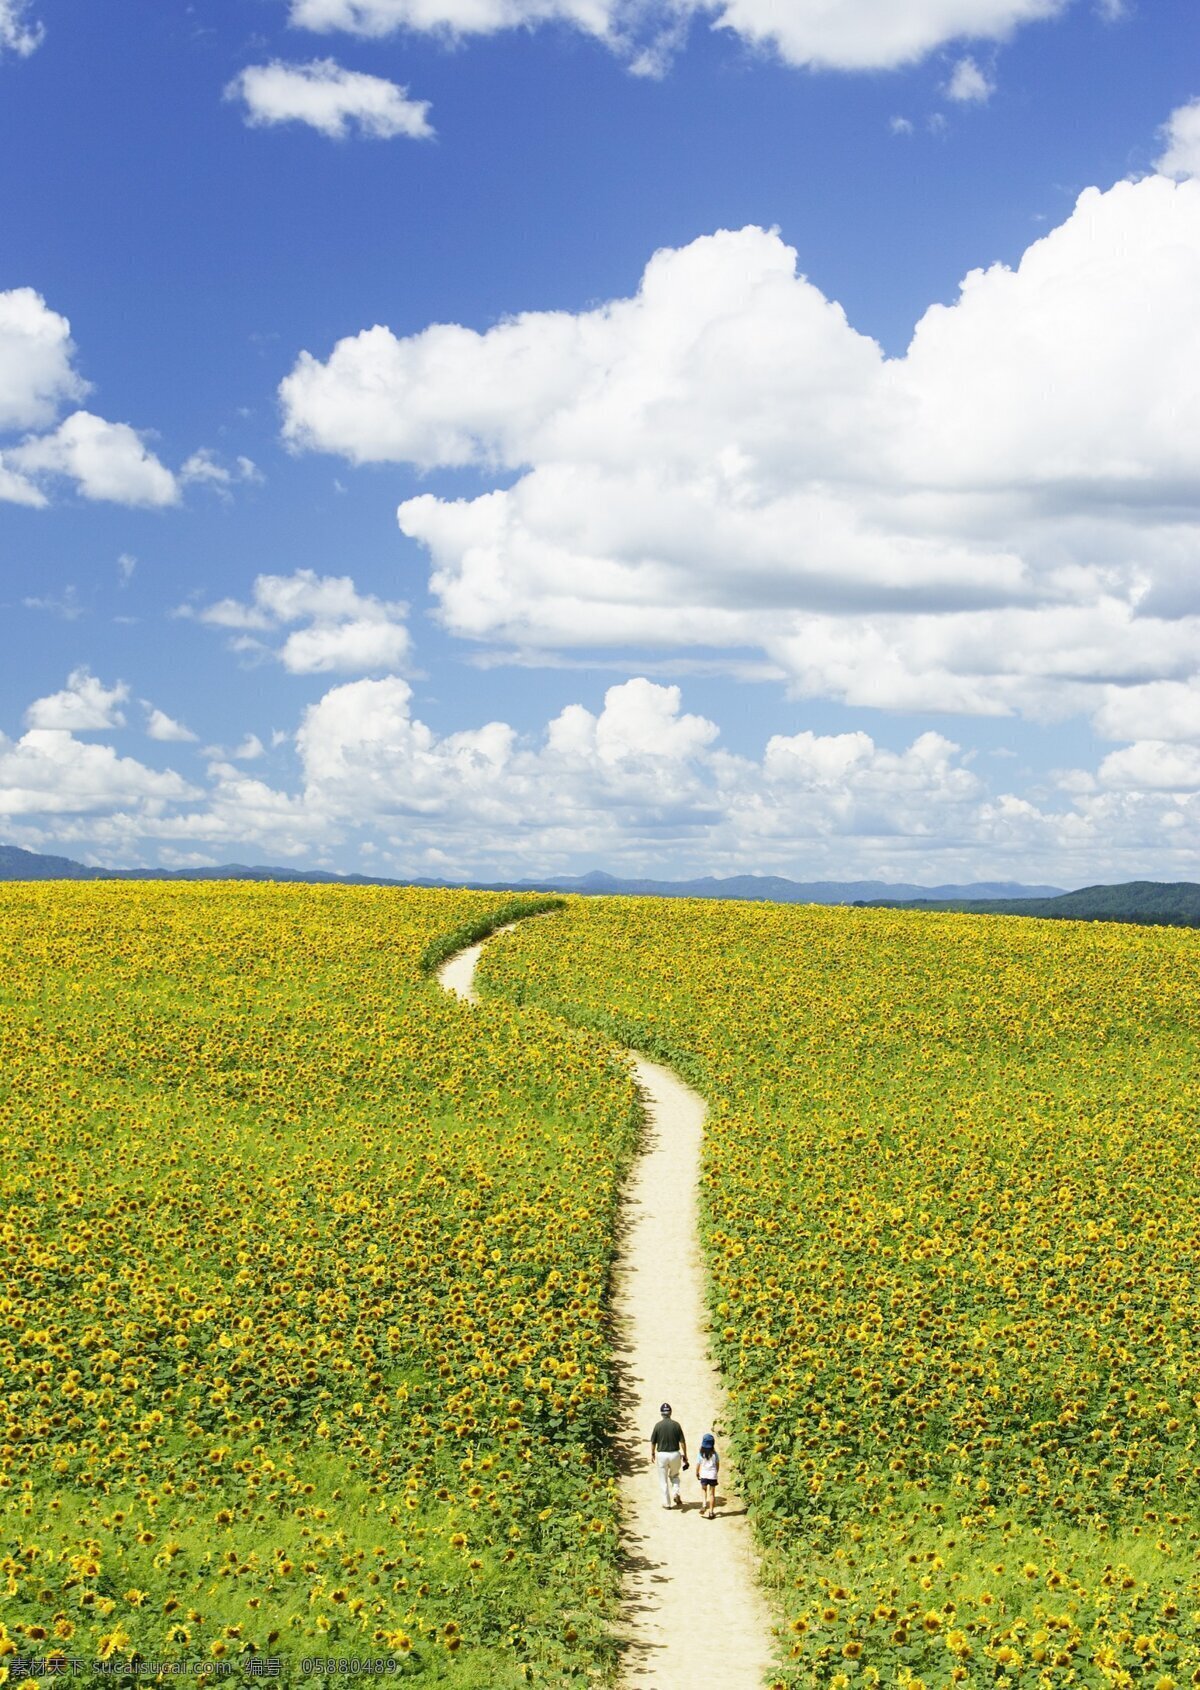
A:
[707,1468]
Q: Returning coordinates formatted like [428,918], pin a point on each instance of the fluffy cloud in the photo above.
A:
[968,85]
[1164,710]
[85,704]
[639,719]
[1153,765]
[36,374]
[874,34]
[1181,156]
[163,727]
[639,784]
[17,34]
[1002,519]
[19,490]
[50,772]
[105,460]
[348,632]
[641,778]
[330,99]
[851,35]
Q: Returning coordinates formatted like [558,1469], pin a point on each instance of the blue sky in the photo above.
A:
[698,567]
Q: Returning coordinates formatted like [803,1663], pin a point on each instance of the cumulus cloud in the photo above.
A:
[852,35]
[105,460]
[639,777]
[874,34]
[17,34]
[640,719]
[48,771]
[1181,156]
[642,783]
[163,727]
[1002,519]
[36,353]
[968,85]
[638,783]
[1154,765]
[37,378]
[1163,710]
[347,632]
[84,704]
[330,99]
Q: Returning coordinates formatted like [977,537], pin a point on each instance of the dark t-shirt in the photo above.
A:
[667,1437]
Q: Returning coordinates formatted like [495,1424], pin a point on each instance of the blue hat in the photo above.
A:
[708,1441]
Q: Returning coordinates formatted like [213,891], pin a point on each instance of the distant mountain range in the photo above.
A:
[1153,902]
[16,864]
[774,889]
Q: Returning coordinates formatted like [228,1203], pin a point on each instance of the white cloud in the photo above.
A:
[639,777]
[1181,156]
[375,18]
[249,750]
[1159,710]
[638,784]
[330,99]
[901,126]
[347,648]
[17,34]
[640,719]
[84,704]
[207,470]
[851,35]
[348,632]
[874,34]
[968,85]
[105,460]
[1002,519]
[36,352]
[19,490]
[163,727]
[1154,765]
[48,771]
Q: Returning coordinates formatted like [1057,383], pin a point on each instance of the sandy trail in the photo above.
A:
[694,1616]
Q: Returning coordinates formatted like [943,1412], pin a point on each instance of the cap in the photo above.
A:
[707,1441]
[664,1408]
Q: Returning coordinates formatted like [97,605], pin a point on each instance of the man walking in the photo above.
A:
[668,1447]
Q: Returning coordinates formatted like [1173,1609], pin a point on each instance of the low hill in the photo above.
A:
[1153,903]
[16,864]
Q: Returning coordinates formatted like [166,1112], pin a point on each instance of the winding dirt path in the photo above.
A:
[694,1617]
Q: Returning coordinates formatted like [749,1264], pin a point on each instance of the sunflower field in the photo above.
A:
[952,1227]
[301,1355]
